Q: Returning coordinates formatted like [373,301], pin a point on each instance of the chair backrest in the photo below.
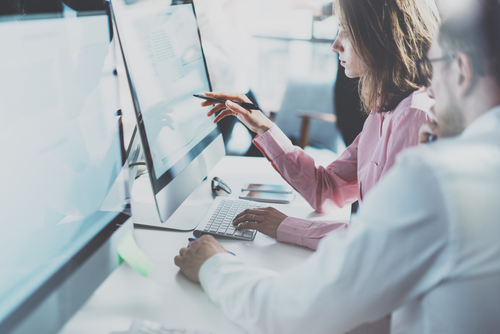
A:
[309,94]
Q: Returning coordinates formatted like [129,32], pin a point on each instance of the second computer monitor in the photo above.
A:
[165,65]
[63,195]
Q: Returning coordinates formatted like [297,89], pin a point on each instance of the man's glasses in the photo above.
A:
[424,67]
[219,187]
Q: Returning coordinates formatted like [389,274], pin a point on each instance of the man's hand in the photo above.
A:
[428,132]
[264,220]
[192,257]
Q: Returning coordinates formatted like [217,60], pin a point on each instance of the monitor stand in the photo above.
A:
[161,210]
[185,218]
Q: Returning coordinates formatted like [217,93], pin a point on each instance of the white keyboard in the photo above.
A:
[150,327]
[218,220]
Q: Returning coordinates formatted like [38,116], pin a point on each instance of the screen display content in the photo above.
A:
[166,66]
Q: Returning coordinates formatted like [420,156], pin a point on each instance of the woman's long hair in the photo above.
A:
[389,36]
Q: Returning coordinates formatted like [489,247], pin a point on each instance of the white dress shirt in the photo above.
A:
[424,246]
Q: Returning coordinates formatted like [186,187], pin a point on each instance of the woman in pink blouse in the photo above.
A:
[378,41]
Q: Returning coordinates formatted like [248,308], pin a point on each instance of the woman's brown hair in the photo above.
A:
[389,36]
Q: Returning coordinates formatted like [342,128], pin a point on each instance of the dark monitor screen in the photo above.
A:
[62,182]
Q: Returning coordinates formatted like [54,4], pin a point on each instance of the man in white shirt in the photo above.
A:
[425,245]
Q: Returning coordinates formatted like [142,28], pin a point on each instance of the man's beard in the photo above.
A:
[451,120]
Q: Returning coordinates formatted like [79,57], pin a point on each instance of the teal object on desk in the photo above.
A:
[134,256]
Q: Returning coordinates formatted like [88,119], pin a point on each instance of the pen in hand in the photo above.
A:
[194,239]
[245,105]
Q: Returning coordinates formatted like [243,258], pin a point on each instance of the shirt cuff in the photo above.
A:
[273,143]
[211,266]
[292,230]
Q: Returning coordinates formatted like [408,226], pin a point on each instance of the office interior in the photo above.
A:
[271,50]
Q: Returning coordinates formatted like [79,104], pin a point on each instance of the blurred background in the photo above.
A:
[278,52]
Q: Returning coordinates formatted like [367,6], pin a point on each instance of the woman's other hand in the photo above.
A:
[428,132]
[255,120]
[264,220]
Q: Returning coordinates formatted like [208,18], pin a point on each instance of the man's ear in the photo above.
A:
[465,74]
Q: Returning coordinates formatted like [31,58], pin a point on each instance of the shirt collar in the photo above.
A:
[489,121]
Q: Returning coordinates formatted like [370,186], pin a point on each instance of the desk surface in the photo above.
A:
[166,296]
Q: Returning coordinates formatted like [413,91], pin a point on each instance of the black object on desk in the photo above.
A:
[219,187]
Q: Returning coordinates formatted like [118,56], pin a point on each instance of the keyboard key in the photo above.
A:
[221,221]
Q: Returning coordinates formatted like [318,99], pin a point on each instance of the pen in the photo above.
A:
[194,239]
[245,105]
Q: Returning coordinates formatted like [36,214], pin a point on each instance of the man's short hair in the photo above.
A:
[476,32]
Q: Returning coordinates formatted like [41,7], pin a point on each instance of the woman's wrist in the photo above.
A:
[262,129]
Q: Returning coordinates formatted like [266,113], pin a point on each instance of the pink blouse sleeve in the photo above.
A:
[408,126]
[336,183]
[304,232]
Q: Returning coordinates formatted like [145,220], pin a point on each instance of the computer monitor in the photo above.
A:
[165,65]
[63,190]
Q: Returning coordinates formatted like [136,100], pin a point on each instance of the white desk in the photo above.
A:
[166,296]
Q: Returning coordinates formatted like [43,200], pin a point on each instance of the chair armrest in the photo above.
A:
[306,122]
[320,116]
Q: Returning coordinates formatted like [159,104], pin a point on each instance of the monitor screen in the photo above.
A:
[62,182]
[166,66]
